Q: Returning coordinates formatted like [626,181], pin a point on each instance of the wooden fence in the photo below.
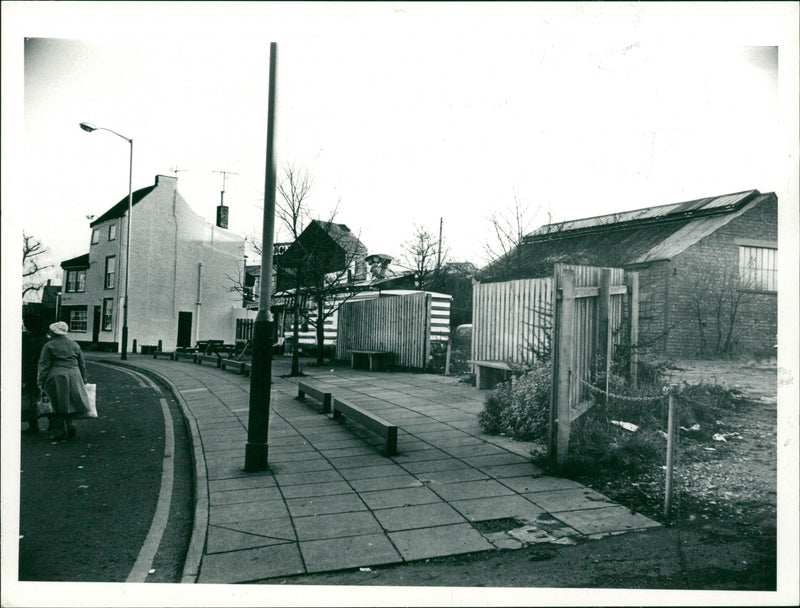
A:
[400,325]
[512,321]
[590,308]
[576,317]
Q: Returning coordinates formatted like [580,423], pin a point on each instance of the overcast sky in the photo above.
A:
[402,113]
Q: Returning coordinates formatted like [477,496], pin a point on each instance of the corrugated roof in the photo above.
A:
[712,204]
[692,232]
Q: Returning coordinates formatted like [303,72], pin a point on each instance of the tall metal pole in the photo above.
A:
[670,451]
[257,448]
[124,355]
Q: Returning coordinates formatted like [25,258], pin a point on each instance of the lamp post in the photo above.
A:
[88,127]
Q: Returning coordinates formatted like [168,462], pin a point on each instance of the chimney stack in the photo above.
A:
[378,264]
[222,216]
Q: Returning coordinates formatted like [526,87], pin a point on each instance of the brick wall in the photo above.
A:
[712,265]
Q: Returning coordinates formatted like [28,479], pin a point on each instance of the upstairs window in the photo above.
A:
[112,232]
[111,271]
[95,236]
[76,281]
[758,268]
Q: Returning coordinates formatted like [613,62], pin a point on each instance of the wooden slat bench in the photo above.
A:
[303,389]
[370,421]
[225,363]
[489,373]
[375,359]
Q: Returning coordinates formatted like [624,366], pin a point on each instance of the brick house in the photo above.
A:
[179,275]
[707,269]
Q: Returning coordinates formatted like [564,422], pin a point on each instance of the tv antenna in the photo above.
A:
[176,170]
[225,175]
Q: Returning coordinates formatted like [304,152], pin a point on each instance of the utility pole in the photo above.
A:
[257,448]
[439,252]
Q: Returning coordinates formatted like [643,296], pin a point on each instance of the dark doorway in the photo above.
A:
[184,329]
[96,325]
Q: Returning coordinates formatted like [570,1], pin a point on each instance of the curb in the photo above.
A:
[197,542]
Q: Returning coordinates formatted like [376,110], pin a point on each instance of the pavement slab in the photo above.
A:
[569,500]
[437,541]
[610,519]
[418,516]
[348,552]
[251,564]
[336,525]
[322,505]
[494,507]
[385,499]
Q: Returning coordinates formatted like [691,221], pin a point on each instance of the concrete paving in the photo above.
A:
[332,500]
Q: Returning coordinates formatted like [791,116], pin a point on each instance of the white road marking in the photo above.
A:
[143,381]
[144,562]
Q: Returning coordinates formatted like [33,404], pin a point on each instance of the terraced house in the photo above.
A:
[179,275]
[708,269]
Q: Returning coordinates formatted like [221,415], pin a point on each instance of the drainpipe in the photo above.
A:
[199,301]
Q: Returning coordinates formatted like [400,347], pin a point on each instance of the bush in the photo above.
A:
[520,407]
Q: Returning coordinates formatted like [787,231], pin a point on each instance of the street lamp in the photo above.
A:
[88,127]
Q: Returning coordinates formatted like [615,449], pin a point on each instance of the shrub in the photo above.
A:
[520,407]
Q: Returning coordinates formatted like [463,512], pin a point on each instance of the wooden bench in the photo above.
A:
[370,421]
[304,389]
[373,358]
[160,353]
[489,373]
[225,363]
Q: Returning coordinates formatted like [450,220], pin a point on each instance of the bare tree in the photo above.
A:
[317,270]
[32,250]
[508,228]
[424,257]
[715,300]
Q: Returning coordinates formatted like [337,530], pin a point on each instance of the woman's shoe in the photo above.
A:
[71,431]
[58,437]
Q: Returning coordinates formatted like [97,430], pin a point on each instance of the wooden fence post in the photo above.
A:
[633,317]
[561,380]
[603,344]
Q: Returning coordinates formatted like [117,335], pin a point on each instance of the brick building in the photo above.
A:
[707,269]
[179,281]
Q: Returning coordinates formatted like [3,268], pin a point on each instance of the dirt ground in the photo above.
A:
[721,536]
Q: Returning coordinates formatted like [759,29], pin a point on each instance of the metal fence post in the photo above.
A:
[672,390]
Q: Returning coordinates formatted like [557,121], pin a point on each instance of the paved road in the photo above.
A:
[87,505]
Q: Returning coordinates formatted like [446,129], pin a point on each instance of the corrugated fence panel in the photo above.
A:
[511,320]
[398,324]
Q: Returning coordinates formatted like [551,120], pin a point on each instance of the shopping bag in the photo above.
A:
[43,406]
[91,392]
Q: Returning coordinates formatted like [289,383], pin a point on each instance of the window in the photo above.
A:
[111,271]
[76,280]
[112,232]
[77,320]
[108,313]
[95,236]
[758,268]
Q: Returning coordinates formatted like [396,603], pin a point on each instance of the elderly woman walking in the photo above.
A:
[62,375]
